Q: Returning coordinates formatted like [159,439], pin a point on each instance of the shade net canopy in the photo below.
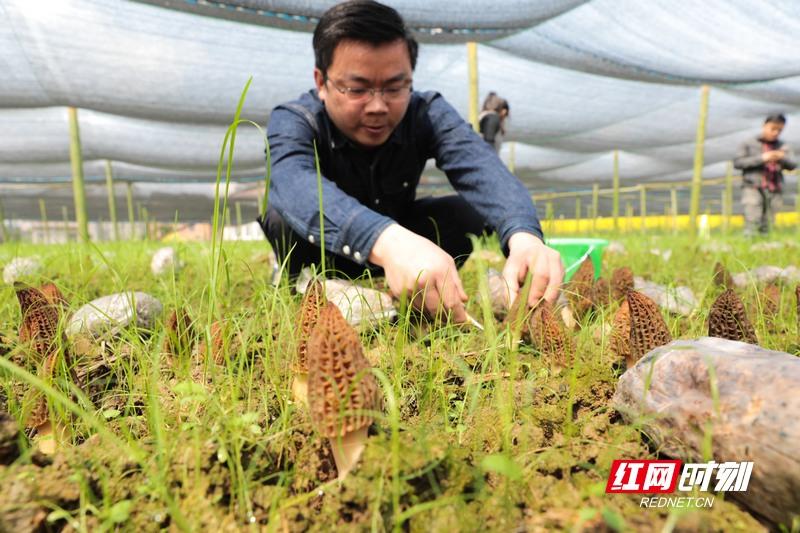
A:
[156,82]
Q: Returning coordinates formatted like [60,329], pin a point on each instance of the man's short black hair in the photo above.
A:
[359,20]
[779,119]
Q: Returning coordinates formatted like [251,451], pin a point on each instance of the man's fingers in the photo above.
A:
[450,289]
[511,275]
[539,282]
[459,313]
[556,277]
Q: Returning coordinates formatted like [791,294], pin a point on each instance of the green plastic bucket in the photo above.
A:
[574,251]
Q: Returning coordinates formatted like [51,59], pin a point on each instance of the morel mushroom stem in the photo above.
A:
[342,392]
[347,450]
[300,388]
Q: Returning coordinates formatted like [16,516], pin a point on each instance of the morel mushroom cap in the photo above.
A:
[54,295]
[648,329]
[313,301]
[722,278]
[41,308]
[579,288]
[549,337]
[621,333]
[728,319]
[771,301]
[621,283]
[222,343]
[797,297]
[180,334]
[342,391]
[601,293]
[39,325]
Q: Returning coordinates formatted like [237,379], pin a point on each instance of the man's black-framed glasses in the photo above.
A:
[362,95]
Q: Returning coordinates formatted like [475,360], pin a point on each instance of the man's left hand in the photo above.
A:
[527,253]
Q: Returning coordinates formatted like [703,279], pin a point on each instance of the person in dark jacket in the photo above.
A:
[372,135]
[762,161]
[492,119]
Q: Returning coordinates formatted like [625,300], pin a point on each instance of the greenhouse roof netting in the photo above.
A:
[157,82]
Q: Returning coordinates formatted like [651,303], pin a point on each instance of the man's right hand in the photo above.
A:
[773,155]
[413,263]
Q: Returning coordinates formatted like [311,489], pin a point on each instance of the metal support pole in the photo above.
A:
[723,209]
[472,61]
[643,205]
[673,200]
[45,225]
[595,205]
[131,217]
[697,175]
[76,160]
[112,207]
[728,206]
[65,215]
[239,228]
[146,220]
[3,231]
[615,210]
[629,213]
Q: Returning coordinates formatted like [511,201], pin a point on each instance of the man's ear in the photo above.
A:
[319,81]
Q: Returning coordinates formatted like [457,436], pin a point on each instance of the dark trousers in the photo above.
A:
[447,221]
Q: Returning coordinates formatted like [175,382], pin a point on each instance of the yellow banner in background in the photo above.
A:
[664,222]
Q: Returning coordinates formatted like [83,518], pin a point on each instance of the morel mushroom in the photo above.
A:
[547,335]
[728,319]
[180,334]
[722,278]
[648,329]
[797,297]
[39,329]
[771,301]
[341,390]
[621,283]
[313,300]
[601,293]
[621,333]
[220,334]
[579,289]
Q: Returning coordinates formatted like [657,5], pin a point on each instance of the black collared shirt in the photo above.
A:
[364,191]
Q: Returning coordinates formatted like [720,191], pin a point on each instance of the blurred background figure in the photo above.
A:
[492,118]
[762,161]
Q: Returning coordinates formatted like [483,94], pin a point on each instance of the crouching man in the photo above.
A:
[372,134]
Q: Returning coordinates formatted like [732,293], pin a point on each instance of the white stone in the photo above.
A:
[615,247]
[110,314]
[762,274]
[790,275]
[716,247]
[165,260]
[677,300]
[359,305]
[767,246]
[663,254]
[20,268]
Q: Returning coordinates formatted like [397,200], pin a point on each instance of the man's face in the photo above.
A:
[771,131]
[357,65]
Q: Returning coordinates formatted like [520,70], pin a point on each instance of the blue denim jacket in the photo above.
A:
[364,191]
